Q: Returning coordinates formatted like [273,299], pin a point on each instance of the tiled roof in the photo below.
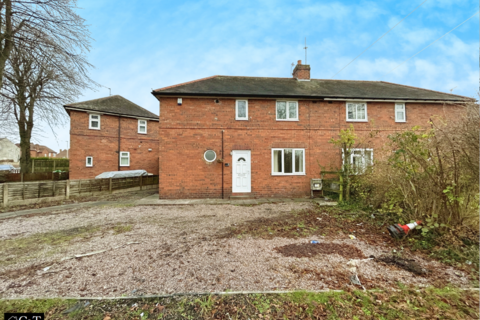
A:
[315,88]
[114,104]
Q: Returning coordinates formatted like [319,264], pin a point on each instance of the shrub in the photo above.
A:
[432,175]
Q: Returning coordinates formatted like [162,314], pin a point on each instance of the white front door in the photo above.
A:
[241,177]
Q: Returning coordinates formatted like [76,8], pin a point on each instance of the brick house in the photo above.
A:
[111,134]
[38,150]
[267,137]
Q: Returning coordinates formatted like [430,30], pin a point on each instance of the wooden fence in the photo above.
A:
[44,165]
[18,193]
[25,177]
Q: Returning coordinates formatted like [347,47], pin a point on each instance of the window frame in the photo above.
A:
[287,113]
[91,162]
[283,163]
[138,127]
[356,120]
[90,121]
[205,155]
[128,157]
[404,112]
[246,111]
[362,171]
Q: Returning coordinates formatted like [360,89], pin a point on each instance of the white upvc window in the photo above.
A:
[142,126]
[124,159]
[89,162]
[360,160]
[400,114]
[288,161]
[357,111]
[94,122]
[287,111]
[241,110]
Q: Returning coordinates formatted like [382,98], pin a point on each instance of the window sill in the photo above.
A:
[400,121]
[287,174]
[94,128]
[124,166]
[241,119]
[141,132]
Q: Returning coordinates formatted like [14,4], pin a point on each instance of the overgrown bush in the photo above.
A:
[429,174]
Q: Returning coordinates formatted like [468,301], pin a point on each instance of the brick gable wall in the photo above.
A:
[102,145]
[187,131]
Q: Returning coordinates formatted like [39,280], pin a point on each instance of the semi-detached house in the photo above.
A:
[267,137]
[111,134]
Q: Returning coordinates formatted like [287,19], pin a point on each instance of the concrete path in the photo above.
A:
[154,201]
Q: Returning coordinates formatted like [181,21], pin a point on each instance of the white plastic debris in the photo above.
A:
[46,269]
[352,237]
[141,314]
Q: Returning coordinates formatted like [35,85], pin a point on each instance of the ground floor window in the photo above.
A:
[360,160]
[124,159]
[288,161]
[89,161]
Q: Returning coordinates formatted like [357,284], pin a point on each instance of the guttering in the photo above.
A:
[393,100]
[111,113]
[300,97]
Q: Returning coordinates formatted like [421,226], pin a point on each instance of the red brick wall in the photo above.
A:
[187,131]
[102,145]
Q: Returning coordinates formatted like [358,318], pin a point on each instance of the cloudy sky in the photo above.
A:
[143,45]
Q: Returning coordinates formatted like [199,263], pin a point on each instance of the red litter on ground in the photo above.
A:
[398,231]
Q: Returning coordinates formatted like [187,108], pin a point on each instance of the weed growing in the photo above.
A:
[399,303]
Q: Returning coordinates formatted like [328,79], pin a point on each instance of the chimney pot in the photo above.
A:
[299,62]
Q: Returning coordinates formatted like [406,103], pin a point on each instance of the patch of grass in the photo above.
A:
[30,247]
[403,303]
[43,244]
[122,228]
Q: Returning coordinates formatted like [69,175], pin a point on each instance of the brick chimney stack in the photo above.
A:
[301,71]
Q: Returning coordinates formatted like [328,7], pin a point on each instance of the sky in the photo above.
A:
[140,45]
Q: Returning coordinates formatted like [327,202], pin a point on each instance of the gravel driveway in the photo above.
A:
[167,249]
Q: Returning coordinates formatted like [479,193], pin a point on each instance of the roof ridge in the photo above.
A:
[407,86]
[98,99]
[183,83]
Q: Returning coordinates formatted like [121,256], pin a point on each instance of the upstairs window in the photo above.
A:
[288,161]
[142,126]
[124,159]
[89,162]
[360,160]
[241,110]
[400,112]
[287,110]
[94,122]
[357,111]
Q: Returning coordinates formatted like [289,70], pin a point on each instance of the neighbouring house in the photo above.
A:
[111,134]
[9,152]
[225,136]
[38,151]
[63,154]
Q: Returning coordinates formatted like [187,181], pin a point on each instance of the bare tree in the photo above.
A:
[36,85]
[43,25]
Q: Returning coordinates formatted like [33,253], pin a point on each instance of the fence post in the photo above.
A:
[5,194]
[141,182]
[54,165]
[33,165]
[67,190]
[21,176]
[110,185]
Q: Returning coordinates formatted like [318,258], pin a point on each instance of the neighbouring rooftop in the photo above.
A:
[116,105]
